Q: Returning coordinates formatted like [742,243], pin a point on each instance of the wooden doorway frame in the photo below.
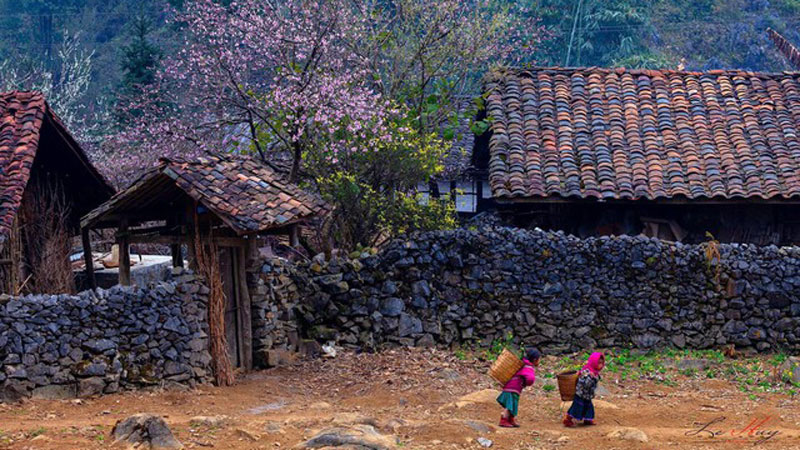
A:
[244,325]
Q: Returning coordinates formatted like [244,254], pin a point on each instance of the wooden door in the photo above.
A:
[231,287]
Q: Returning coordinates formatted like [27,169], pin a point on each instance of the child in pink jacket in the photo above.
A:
[509,398]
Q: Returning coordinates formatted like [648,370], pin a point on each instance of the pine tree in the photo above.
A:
[140,62]
[141,57]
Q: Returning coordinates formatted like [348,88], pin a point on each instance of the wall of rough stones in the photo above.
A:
[61,346]
[548,289]
[274,296]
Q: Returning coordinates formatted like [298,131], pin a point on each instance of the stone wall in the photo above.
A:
[550,290]
[61,346]
[275,328]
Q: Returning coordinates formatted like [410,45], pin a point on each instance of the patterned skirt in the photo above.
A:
[581,409]
[509,401]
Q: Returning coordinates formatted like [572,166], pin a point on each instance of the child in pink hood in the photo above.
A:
[509,398]
[582,407]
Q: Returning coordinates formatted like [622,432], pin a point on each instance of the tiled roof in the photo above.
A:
[245,194]
[643,134]
[21,117]
[789,51]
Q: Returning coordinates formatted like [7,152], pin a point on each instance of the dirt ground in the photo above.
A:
[418,397]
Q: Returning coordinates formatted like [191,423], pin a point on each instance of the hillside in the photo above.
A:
[697,35]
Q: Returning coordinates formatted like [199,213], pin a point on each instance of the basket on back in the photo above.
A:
[505,367]
[567,381]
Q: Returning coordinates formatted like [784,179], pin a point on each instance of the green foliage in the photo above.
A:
[497,346]
[602,32]
[364,215]
[372,191]
[410,213]
[778,359]
[549,388]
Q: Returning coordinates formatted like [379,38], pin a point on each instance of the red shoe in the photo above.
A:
[513,421]
[568,421]
[506,423]
[589,422]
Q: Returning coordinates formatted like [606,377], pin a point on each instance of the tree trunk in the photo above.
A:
[297,154]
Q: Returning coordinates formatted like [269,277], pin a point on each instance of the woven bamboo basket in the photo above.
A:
[505,367]
[567,381]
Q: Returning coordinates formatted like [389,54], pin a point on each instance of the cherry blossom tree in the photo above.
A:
[318,76]
[281,69]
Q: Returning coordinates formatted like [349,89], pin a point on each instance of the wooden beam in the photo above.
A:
[87,258]
[124,254]
[176,240]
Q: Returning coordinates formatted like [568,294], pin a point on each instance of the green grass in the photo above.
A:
[549,388]
[497,347]
[754,376]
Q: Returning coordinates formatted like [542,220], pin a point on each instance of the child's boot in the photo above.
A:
[568,421]
[505,422]
[513,421]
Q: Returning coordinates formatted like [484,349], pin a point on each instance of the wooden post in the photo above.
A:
[176,249]
[190,234]
[87,258]
[294,236]
[177,255]
[245,314]
[123,240]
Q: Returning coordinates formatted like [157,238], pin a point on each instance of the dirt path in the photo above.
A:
[418,397]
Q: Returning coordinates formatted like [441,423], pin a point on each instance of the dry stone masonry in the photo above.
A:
[556,291]
[61,346]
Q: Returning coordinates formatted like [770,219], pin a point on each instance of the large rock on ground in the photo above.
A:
[790,370]
[146,431]
[628,434]
[356,437]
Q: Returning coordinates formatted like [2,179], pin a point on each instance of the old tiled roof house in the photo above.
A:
[673,154]
[42,166]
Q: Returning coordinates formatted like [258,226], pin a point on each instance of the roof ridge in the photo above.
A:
[647,72]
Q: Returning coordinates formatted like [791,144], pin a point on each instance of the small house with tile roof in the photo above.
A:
[672,154]
[226,201]
[47,184]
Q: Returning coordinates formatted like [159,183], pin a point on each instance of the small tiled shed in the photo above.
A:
[620,151]
[236,198]
[38,159]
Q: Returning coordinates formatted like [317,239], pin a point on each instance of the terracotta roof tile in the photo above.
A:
[643,134]
[247,195]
